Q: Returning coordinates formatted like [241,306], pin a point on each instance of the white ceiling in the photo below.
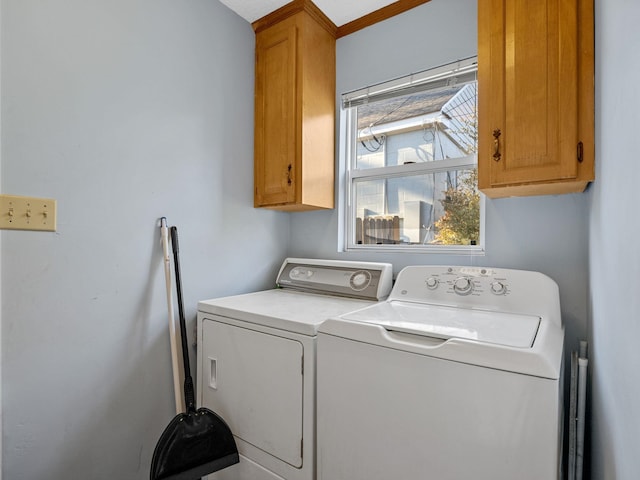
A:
[339,11]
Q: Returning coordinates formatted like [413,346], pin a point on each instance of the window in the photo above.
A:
[410,149]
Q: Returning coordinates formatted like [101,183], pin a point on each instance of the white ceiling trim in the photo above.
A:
[340,12]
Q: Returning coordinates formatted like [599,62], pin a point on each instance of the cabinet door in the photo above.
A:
[528,98]
[275,115]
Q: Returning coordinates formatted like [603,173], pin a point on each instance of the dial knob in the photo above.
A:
[462,286]
[498,288]
[432,283]
[300,273]
[360,280]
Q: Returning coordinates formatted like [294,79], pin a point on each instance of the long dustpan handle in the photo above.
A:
[177,374]
[189,395]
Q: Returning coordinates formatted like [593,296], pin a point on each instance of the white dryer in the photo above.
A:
[458,375]
[257,361]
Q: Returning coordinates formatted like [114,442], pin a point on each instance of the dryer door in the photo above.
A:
[253,380]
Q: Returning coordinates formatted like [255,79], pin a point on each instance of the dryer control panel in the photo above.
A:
[367,280]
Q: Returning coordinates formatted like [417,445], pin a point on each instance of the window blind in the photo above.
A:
[456,73]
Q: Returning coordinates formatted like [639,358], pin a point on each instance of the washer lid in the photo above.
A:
[512,330]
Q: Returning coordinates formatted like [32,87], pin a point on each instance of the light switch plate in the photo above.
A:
[27,213]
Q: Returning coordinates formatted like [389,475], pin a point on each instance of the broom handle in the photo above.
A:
[189,396]
[175,363]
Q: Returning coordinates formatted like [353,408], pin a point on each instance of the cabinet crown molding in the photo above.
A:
[292,8]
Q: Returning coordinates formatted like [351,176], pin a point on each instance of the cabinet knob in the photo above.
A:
[496,145]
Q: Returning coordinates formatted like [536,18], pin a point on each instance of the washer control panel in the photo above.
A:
[368,280]
[474,287]
[467,281]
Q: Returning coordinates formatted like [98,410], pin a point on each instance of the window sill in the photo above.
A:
[476,250]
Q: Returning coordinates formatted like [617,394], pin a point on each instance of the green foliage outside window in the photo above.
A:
[460,224]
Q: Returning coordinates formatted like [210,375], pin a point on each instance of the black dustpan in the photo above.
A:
[198,442]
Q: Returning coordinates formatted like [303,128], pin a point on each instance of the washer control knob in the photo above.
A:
[462,286]
[498,288]
[432,283]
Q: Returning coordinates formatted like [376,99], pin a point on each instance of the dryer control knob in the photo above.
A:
[432,283]
[360,280]
[462,286]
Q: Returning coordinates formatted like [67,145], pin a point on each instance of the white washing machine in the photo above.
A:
[458,375]
[257,361]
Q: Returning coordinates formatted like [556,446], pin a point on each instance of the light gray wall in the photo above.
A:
[123,111]
[547,234]
[613,253]
[1,409]
[117,110]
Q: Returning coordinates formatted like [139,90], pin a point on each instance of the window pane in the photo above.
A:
[426,209]
[420,127]
[412,151]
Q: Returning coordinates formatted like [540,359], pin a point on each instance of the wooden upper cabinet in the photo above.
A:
[535,80]
[294,142]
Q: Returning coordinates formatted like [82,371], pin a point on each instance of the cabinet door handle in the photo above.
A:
[289,175]
[496,145]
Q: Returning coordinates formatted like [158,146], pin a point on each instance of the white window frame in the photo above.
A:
[348,134]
